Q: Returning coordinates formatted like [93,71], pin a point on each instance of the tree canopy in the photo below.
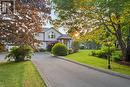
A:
[28,19]
[111,15]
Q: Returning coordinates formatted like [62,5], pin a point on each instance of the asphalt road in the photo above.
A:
[61,73]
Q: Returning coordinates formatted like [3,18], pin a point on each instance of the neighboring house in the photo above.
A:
[51,36]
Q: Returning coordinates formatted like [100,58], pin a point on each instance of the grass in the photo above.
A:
[84,57]
[22,74]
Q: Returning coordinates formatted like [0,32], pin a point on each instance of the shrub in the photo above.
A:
[116,56]
[59,50]
[19,53]
[99,53]
[93,53]
[70,51]
[75,46]
[82,47]
[104,52]
[49,47]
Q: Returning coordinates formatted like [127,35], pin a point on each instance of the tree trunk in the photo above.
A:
[128,54]
[123,48]
[128,47]
[121,42]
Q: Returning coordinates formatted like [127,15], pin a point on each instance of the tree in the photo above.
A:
[72,17]
[99,36]
[21,27]
[112,15]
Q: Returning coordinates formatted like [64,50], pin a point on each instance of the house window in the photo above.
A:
[51,35]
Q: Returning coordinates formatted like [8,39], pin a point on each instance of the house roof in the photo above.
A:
[64,36]
[46,29]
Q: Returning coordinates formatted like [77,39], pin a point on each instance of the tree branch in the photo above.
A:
[106,25]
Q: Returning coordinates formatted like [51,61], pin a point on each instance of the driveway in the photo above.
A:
[61,73]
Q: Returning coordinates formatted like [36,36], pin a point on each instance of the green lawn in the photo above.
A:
[84,57]
[22,74]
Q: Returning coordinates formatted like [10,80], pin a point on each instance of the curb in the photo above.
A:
[43,76]
[97,69]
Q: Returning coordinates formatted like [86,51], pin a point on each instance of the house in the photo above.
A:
[51,36]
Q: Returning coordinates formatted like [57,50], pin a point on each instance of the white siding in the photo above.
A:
[40,36]
[51,39]
[44,37]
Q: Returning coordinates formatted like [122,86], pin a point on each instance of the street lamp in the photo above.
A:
[109,53]
[108,44]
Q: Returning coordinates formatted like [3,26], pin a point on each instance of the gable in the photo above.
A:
[54,32]
[51,29]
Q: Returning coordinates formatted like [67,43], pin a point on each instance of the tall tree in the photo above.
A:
[113,15]
[72,17]
[21,27]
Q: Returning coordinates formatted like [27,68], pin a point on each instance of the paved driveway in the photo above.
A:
[61,73]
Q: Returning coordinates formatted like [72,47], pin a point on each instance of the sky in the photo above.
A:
[54,16]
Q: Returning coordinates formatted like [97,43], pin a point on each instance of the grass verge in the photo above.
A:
[84,57]
[22,74]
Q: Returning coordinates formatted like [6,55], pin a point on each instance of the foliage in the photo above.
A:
[91,44]
[49,47]
[98,36]
[111,15]
[70,51]
[105,52]
[23,74]
[21,53]
[59,49]
[99,53]
[116,56]
[73,20]
[2,47]
[82,47]
[75,46]
[25,23]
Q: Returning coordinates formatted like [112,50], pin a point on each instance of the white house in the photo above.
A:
[51,36]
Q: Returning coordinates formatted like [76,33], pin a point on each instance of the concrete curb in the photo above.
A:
[43,76]
[97,69]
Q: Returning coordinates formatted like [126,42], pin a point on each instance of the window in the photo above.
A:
[51,35]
